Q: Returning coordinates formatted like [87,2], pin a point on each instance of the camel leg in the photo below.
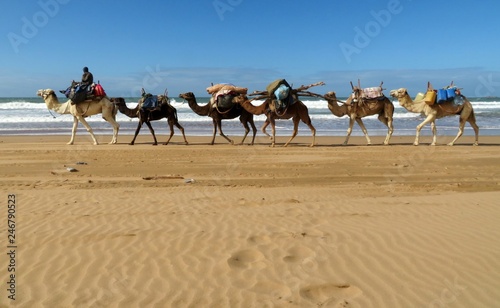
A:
[152,132]
[430,119]
[364,130]
[461,126]
[222,133]
[434,132]
[313,132]
[296,121]
[89,129]
[214,121]
[476,131]
[390,129]
[110,117]
[247,130]
[171,126]
[245,119]
[349,130]
[273,130]
[116,127]
[182,131]
[263,129]
[254,130]
[139,125]
[73,131]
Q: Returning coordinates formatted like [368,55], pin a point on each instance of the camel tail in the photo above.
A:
[175,115]
[472,116]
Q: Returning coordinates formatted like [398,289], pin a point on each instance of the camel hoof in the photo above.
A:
[450,144]
[475,144]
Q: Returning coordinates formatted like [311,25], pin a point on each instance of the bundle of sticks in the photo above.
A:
[300,91]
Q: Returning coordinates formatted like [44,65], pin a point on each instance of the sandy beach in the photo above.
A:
[251,226]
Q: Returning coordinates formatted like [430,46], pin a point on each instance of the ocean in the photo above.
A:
[30,116]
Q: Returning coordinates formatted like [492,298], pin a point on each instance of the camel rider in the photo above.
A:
[87,80]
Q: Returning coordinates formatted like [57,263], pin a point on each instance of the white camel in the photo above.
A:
[82,110]
[437,111]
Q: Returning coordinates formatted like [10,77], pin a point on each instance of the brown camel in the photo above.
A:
[297,112]
[217,116]
[164,110]
[437,111]
[82,110]
[362,108]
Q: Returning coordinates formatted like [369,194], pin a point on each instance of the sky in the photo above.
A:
[185,46]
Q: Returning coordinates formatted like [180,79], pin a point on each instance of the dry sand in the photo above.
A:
[330,226]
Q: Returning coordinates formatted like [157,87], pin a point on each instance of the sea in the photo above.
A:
[30,116]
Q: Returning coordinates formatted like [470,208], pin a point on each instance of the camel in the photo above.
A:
[217,117]
[82,110]
[297,112]
[384,108]
[146,116]
[437,111]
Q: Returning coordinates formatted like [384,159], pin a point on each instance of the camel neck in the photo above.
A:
[336,109]
[411,105]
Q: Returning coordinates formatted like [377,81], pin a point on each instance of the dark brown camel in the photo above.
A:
[165,110]
[217,116]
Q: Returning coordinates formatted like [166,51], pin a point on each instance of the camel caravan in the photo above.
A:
[280,101]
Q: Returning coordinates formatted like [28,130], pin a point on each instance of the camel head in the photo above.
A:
[119,101]
[399,93]
[45,93]
[187,96]
[240,99]
[330,96]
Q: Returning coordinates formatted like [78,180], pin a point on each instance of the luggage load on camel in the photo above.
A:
[223,94]
[446,94]
[359,94]
[373,92]
[281,93]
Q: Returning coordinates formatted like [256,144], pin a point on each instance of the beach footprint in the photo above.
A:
[299,254]
[244,258]
[330,294]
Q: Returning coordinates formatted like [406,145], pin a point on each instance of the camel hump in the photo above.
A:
[451,107]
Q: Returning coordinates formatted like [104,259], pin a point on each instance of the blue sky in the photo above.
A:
[187,45]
